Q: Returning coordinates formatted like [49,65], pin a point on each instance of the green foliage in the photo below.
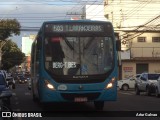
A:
[8,27]
[12,55]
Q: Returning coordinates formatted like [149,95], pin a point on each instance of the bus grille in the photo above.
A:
[72,96]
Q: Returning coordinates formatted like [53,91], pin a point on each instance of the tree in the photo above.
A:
[12,55]
[8,27]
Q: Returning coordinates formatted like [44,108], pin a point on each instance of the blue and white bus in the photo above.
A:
[74,61]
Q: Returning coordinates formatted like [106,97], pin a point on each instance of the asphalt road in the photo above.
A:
[127,105]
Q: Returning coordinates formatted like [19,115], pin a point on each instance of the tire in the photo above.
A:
[35,99]
[13,86]
[137,90]
[156,92]
[125,87]
[148,91]
[99,105]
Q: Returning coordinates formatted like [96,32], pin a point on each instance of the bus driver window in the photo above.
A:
[54,53]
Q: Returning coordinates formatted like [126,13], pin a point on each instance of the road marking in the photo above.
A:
[127,93]
[27,93]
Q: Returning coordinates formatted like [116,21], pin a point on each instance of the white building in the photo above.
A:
[95,12]
[26,44]
[26,49]
[137,22]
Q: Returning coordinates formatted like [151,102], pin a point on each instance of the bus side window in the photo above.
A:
[33,53]
[37,54]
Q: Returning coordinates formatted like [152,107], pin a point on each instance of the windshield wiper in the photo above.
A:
[68,43]
[89,43]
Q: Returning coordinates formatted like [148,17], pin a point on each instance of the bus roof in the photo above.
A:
[76,21]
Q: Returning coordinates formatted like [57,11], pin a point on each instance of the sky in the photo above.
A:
[32,13]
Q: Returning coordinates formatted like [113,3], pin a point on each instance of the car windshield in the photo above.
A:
[10,78]
[153,76]
[2,80]
[78,55]
[137,76]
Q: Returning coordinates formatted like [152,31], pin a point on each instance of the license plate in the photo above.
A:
[80,99]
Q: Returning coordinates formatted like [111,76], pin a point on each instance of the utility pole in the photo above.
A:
[83,14]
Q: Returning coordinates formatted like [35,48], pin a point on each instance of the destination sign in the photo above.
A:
[74,28]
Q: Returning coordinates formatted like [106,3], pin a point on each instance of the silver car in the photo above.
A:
[155,87]
[146,83]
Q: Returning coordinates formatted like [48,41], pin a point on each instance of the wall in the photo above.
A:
[129,67]
[145,49]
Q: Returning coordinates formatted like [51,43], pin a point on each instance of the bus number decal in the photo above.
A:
[58,28]
[64,65]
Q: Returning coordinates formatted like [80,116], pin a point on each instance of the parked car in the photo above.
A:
[22,79]
[5,89]
[4,73]
[145,83]
[127,83]
[155,87]
[29,83]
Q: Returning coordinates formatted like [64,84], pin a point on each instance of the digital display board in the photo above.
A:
[73,28]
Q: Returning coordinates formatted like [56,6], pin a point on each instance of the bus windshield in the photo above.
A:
[78,55]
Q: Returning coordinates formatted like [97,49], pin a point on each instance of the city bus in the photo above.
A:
[74,61]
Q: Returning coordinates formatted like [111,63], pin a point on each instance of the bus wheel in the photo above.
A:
[99,105]
[35,99]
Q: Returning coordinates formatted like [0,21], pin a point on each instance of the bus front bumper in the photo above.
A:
[79,96]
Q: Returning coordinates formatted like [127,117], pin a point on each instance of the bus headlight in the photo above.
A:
[111,83]
[49,85]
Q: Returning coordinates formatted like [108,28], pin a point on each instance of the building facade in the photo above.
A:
[26,48]
[137,24]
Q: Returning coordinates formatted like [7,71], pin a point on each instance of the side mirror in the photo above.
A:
[39,42]
[118,45]
[118,41]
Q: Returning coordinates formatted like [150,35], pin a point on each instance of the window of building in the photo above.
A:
[155,39]
[141,39]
